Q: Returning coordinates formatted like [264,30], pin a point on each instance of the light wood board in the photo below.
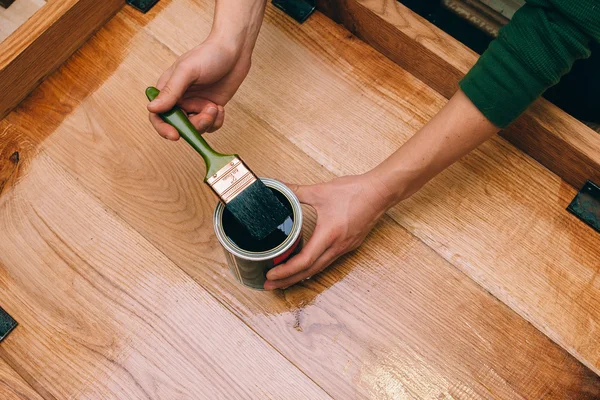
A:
[13,387]
[104,314]
[117,221]
[15,15]
[554,138]
[43,42]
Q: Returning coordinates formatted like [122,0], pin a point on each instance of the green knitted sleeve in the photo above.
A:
[531,53]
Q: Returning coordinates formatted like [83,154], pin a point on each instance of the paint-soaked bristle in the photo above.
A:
[259,210]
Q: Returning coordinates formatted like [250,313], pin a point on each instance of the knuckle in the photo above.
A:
[336,232]
[167,90]
[305,262]
[186,66]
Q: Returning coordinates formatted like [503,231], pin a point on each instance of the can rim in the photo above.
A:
[295,232]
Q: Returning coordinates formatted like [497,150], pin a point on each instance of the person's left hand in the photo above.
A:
[347,209]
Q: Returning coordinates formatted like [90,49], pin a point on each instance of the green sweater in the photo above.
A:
[531,53]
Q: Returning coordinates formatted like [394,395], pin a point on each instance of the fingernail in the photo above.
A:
[212,111]
[204,125]
[272,276]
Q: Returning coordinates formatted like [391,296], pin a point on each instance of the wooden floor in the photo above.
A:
[16,14]
[481,286]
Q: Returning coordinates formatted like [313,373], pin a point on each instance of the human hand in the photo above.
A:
[347,209]
[201,82]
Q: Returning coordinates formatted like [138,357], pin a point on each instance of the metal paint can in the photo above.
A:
[250,267]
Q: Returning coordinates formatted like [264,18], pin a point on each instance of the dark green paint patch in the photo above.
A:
[142,5]
[586,205]
[7,324]
[300,10]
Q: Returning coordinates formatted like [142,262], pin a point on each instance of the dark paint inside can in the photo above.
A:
[238,234]
[250,260]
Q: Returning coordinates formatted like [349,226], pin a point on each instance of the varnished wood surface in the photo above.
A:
[110,264]
[15,15]
[105,314]
[42,43]
[13,387]
[545,132]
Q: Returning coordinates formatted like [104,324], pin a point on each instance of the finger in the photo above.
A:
[165,130]
[205,119]
[316,246]
[322,262]
[164,78]
[172,91]
[196,104]
[219,120]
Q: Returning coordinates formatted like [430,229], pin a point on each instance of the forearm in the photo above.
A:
[456,130]
[237,23]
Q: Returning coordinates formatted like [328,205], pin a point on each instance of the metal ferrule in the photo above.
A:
[231,180]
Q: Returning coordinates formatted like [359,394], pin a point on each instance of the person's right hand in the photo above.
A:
[201,82]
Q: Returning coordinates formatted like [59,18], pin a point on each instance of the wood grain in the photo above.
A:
[14,16]
[392,320]
[552,137]
[13,387]
[23,130]
[104,314]
[497,215]
[62,26]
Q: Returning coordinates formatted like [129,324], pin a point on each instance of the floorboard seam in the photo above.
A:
[35,386]
[224,304]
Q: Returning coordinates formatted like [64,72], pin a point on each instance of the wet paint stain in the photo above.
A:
[297,317]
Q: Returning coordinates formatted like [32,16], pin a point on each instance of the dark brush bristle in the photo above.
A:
[258,210]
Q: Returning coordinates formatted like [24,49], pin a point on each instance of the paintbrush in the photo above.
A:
[245,196]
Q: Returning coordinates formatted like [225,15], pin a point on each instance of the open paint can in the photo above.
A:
[249,260]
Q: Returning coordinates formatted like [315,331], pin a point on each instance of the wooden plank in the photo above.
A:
[61,25]
[497,215]
[13,387]
[22,132]
[477,14]
[104,314]
[552,137]
[505,7]
[14,16]
[394,319]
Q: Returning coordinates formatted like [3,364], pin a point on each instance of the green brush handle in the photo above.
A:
[177,119]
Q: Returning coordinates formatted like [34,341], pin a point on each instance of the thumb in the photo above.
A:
[305,193]
[172,91]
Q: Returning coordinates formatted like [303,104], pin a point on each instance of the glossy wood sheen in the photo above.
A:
[554,138]
[110,263]
[113,316]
